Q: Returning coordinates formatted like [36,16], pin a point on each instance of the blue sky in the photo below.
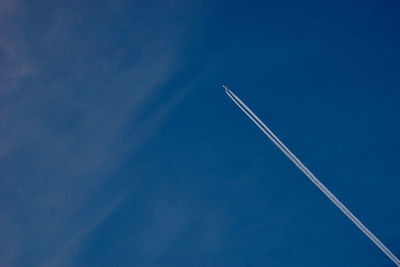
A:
[119,146]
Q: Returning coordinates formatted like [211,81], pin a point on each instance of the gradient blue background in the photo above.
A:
[119,146]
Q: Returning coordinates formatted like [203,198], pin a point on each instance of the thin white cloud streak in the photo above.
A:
[311,176]
[72,246]
[47,212]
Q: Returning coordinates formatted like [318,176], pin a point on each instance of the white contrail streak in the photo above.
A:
[311,176]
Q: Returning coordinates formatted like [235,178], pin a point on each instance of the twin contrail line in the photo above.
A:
[309,174]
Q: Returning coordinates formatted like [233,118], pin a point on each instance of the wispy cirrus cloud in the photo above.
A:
[74,96]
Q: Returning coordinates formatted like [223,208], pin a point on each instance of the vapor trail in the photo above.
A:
[311,176]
